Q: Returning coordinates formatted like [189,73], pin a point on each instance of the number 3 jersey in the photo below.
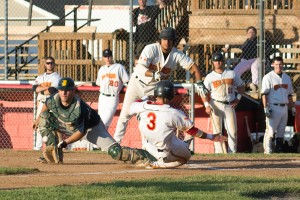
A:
[158,122]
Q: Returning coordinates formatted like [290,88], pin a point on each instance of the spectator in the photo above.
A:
[144,20]
[44,85]
[277,90]
[249,57]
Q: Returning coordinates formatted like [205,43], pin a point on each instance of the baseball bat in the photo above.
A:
[256,133]
[248,131]
[158,69]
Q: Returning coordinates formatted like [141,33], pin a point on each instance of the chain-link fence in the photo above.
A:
[18,102]
[75,33]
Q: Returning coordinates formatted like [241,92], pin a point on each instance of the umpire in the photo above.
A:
[66,113]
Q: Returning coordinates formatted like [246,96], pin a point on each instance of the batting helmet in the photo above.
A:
[217,57]
[164,89]
[168,34]
[66,84]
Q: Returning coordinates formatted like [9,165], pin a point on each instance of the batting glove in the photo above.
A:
[267,112]
[201,89]
[293,111]
[156,75]
[62,144]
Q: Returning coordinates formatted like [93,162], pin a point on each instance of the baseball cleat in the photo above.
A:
[42,160]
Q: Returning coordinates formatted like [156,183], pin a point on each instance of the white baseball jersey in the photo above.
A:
[53,78]
[140,85]
[222,85]
[277,88]
[158,123]
[111,80]
[152,55]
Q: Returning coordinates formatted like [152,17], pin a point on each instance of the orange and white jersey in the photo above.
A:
[152,55]
[277,88]
[222,86]
[158,122]
[111,79]
[52,79]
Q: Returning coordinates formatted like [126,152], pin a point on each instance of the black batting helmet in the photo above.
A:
[164,89]
[217,57]
[168,34]
[66,84]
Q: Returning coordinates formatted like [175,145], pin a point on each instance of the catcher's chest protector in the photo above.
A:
[69,115]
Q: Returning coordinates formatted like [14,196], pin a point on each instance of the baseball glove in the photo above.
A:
[53,154]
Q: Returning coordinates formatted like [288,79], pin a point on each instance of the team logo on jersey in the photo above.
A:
[276,87]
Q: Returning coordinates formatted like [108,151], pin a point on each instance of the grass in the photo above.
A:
[17,170]
[196,187]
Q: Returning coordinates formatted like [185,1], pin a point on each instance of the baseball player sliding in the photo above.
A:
[158,122]
[221,83]
[277,90]
[146,74]
[111,78]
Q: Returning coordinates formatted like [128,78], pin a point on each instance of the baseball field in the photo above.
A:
[94,175]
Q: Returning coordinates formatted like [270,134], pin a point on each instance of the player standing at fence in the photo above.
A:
[44,85]
[110,78]
[156,62]
[221,83]
[158,123]
[65,113]
[277,90]
[144,18]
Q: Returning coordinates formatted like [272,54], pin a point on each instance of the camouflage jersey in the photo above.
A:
[78,116]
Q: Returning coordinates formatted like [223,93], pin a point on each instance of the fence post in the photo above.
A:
[75,20]
[192,112]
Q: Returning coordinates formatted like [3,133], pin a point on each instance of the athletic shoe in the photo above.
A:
[42,160]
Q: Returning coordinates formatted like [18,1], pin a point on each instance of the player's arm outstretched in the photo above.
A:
[195,132]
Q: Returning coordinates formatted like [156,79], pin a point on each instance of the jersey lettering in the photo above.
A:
[113,83]
[152,121]
[285,86]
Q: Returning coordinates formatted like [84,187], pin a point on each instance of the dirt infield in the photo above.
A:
[92,167]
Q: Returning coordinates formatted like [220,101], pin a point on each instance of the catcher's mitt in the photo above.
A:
[53,154]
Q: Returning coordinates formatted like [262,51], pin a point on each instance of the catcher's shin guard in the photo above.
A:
[129,154]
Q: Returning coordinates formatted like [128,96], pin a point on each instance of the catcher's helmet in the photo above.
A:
[66,84]
[164,89]
[217,57]
[168,34]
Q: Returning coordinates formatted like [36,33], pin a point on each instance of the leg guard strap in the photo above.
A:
[129,154]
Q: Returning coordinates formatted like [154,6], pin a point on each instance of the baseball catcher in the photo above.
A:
[65,113]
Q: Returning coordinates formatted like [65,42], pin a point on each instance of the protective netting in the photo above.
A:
[18,104]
